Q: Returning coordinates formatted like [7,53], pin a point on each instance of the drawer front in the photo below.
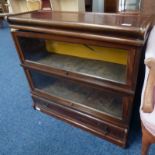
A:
[96,126]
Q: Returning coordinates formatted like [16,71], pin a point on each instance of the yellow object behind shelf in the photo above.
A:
[113,55]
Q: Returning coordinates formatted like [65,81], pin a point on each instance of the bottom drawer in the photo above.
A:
[105,130]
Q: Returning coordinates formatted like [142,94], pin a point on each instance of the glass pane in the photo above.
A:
[94,99]
[95,61]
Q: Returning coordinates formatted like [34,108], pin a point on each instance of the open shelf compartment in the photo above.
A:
[94,61]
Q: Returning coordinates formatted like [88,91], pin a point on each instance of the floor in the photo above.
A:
[24,131]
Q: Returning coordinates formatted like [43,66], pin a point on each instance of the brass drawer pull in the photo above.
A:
[67,73]
[105,130]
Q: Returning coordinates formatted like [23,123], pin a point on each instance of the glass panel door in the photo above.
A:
[82,96]
[94,61]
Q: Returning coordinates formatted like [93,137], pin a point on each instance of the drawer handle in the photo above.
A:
[105,130]
[67,73]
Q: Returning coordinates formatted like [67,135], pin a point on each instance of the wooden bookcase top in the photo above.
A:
[134,27]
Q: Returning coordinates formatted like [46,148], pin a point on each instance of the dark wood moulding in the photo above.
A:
[100,26]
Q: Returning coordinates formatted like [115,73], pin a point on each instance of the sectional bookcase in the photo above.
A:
[82,68]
